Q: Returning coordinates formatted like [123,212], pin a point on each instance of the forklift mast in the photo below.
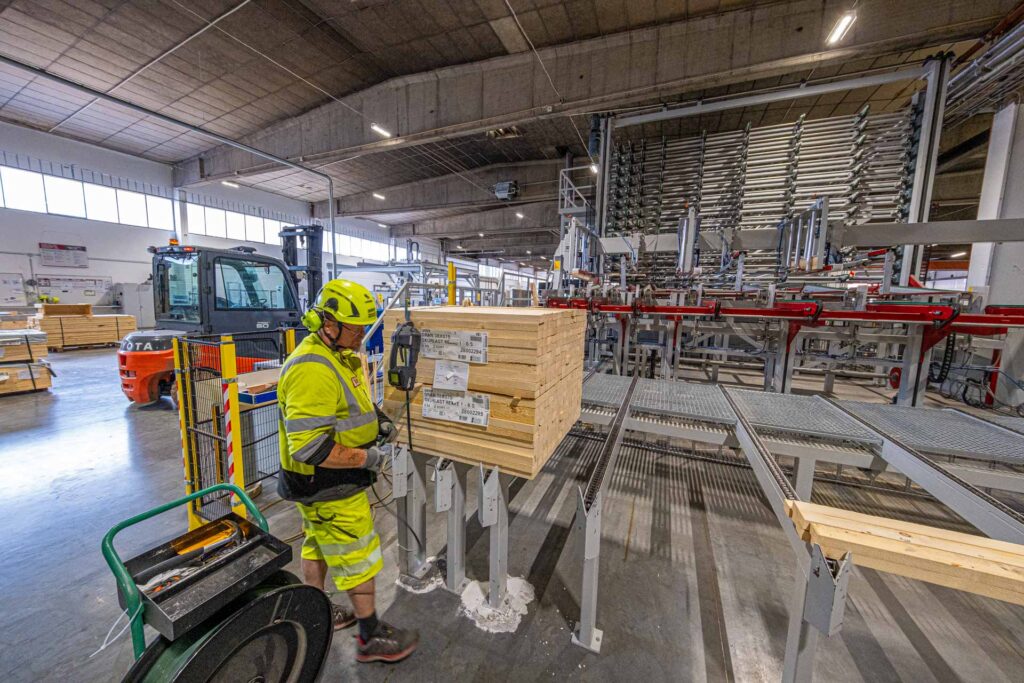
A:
[310,238]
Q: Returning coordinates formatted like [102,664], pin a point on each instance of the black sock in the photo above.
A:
[367,627]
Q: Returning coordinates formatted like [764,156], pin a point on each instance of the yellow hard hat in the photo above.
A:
[345,301]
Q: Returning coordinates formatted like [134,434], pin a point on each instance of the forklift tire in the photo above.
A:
[278,632]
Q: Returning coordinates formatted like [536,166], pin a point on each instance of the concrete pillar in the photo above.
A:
[1000,267]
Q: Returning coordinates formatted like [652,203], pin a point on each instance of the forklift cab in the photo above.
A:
[208,291]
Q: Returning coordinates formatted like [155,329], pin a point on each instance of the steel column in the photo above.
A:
[410,491]
[493,513]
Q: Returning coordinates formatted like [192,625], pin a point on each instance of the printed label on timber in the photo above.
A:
[468,347]
[457,406]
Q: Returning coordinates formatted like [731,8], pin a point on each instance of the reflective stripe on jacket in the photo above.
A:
[322,397]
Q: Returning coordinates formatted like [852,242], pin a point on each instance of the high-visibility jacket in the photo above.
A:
[323,401]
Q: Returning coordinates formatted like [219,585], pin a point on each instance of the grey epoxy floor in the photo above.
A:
[695,573]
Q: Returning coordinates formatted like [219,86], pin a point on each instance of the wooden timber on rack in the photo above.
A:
[22,345]
[533,379]
[16,378]
[47,310]
[66,331]
[966,562]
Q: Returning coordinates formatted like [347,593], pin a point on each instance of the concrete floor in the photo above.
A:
[695,575]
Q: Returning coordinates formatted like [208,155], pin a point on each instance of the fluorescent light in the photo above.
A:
[841,27]
[460,246]
[382,225]
[481,234]
[593,169]
[519,215]
[958,254]
[379,131]
[543,258]
[528,251]
[378,195]
[228,183]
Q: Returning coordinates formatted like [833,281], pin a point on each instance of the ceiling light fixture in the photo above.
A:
[382,225]
[379,131]
[528,251]
[519,215]
[459,246]
[481,234]
[378,195]
[958,254]
[841,27]
[593,169]
[228,183]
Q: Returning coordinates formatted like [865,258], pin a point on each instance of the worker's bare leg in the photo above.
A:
[362,597]
[314,573]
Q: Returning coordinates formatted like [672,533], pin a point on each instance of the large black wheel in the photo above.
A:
[279,632]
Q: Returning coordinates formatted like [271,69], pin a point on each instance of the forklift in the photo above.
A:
[205,291]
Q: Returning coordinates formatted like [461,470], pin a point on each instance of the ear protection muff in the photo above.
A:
[313,320]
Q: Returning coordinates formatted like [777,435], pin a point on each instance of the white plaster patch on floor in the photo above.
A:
[431,581]
[504,619]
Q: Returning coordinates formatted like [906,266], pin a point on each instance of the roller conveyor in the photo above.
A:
[800,415]
[942,431]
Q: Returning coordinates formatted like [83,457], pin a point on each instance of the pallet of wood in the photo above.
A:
[16,378]
[22,345]
[11,320]
[68,331]
[497,386]
[966,562]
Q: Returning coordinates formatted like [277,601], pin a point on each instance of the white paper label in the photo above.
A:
[24,374]
[452,375]
[457,406]
[468,347]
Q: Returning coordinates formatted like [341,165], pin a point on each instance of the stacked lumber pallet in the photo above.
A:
[19,377]
[10,320]
[973,564]
[22,345]
[64,331]
[497,386]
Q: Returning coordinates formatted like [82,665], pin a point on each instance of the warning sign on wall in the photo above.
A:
[63,255]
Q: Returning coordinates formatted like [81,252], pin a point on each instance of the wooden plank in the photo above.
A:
[47,310]
[967,562]
[803,513]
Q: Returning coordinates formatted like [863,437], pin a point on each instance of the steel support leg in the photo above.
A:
[410,491]
[588,523]
[450,482]
[494,515]
[804,477]
[912,376]
[819,605]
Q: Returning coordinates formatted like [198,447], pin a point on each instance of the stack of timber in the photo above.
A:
[973,564]
[74,325]
[22,345]
[521,376]
[16,378]
[11,320]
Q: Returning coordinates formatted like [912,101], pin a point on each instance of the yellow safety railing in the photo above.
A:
[224,440]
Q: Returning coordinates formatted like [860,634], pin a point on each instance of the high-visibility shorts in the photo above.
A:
[340,532]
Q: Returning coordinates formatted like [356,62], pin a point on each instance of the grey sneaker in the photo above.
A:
[388,644]
[343,617]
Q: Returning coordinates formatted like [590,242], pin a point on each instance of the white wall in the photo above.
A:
[114,250]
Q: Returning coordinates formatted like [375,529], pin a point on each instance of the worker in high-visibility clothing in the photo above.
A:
[329,428]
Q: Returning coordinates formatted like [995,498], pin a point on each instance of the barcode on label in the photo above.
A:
[457,406]
[468,347]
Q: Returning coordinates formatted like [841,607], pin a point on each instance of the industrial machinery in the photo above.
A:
[223,605]
[792,248]
[199,290]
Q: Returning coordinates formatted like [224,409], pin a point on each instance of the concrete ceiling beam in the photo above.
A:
[472,190]
[602,73]
[538,217]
